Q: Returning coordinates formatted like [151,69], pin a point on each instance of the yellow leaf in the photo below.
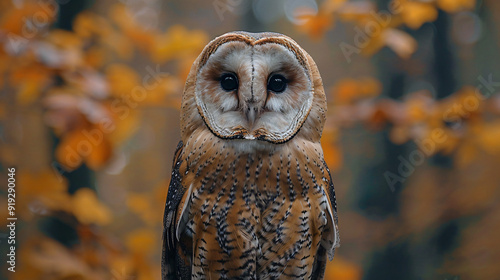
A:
[332,153]
[122,79]
[126,123]
[341,269]
[488,137]
[119,44]
[30,73]
[357,11]
[449,140]
[14,21]
[452,6]
[165,91]
[417,106]
[87,144]
[87,208]
[399,134]
[131,28]
[141,241]
[330,6]
[28,93]
[87,24]
[369,87]
[375,42]
[100,154]
[141,205]
[316,25]
[415,14]
[95,57]
[178,42]
[64,39]
[43,191]
[345,91]
[38,183]
[149,206]
[349,90]
[466,154]
[45,258]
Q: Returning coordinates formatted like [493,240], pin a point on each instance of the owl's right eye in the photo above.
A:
[229,82]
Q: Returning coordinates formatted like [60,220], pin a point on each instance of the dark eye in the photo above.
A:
[277,83]
[229,82]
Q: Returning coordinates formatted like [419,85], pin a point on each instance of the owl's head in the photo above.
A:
[254,86]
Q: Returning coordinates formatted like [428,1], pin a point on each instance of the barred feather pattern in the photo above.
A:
[257,213]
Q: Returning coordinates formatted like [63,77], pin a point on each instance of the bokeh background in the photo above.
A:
[89,116]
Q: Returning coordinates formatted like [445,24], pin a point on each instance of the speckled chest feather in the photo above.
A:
[253,215]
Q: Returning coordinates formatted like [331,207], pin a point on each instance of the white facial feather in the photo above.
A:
[253,111]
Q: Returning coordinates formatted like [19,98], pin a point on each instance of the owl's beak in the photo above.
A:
[251,113]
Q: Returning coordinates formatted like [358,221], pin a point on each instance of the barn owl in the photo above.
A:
[251,196]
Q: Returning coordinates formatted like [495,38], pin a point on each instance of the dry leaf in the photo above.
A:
[87,208]
[316,25]
[341,269]
[141,241]
[453,6]
[331,151]
[415,14]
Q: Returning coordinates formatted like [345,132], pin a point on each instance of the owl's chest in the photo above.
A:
[258,189]
[251,181]
[255,209]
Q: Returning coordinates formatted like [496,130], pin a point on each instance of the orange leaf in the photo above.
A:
[101,153]
[417,13]
[87,144]
[331,152]
[122,79]
[66,152]
[488,136]
[349,90]
[316,25]
[14,21]
[131,28]
[340,269]
[345,91]
[466,154]
[141,241]
[178,42]
[28,93]
[453,6]
[87,208]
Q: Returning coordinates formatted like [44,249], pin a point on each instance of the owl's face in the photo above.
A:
[254,86]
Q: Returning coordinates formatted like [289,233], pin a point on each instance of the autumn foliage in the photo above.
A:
[80,103]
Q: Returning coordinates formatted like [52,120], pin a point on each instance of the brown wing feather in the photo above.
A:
[171,262]
[333,230]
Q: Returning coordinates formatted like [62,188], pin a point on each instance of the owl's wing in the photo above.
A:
[330,239]
[333,229]
[169,261]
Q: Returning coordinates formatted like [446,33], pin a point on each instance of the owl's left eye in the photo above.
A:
[229,82]
[277,83]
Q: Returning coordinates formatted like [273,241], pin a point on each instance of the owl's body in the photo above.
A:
[251,196]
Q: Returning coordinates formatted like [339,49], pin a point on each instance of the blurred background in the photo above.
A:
[89,116]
